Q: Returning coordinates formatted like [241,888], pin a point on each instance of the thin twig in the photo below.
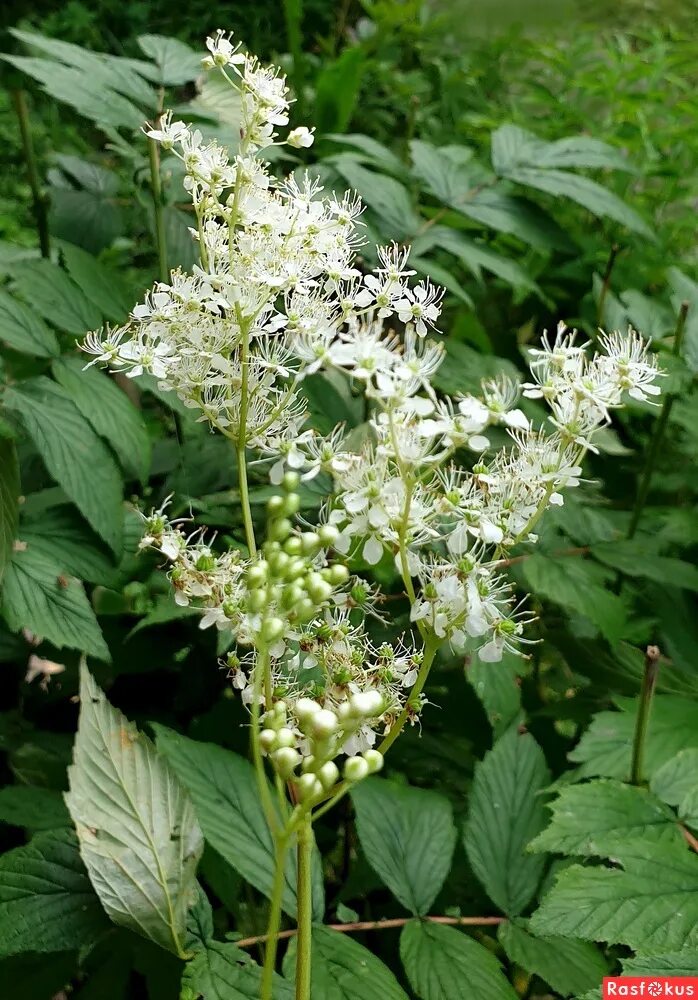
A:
[381,925]
[689,838]
[39,197]
[649,683]
[605,283]
[579,551]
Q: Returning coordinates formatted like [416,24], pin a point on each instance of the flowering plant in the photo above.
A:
[278,295]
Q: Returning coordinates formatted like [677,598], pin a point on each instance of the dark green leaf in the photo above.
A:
[33,808]
[9,500]
[567,966]
[61,536]
[23,330]
[55,297]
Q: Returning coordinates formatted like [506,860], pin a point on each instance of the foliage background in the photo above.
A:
[397,74]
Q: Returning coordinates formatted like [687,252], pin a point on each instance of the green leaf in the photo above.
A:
[23,330]
[513,147]
[102,286]
[676,782]
[33,808]
[342,969]
[592,818]
[61,536]
[37,596]
[444,964]
[678,963]
[85,208]
[474,256]
[176,62]
[498,690]
[447,172]
[9,500]
[580,587]
[464,368]
[386,197]
[337,89]
[605,748]
[55,297]
[222,971]
[224,791]
[46,900]
[517,216]
[506,812]
[374,152]
[567,966]
[408,837]
[139,836]
[73,454]
[649,904]
[109,410]
[637,560]
[36,977]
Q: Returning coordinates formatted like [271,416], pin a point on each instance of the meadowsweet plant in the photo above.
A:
[278,295]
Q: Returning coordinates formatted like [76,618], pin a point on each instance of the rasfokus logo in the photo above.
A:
[650,986]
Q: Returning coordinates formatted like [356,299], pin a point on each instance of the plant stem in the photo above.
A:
[271,937]
[606,281]
[430,648]
[242,439]
[649,682]
[293,13]
[39,199]
[156,189]
[659,432]
[305,908]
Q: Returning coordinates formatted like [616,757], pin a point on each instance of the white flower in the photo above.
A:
[301,137]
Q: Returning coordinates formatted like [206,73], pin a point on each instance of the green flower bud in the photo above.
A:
[285,737]
[374,759]
[328,775]
[323,724]
[275,506]
[336,575]
[291,481]
[257,574]
[308,787]
[305,610]
[286,760]
[355,769]
[280,529]
[310,542]
[267,738]
[327,534]
[367,704]
[293,546]
[292,504]
[292,595]
[256,600]
[273,629]
[305,709]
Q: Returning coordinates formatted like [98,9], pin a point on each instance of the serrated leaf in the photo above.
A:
[36,595]
[386,197]
[224,791]
[109,410]
[139,836]
[342,969]
[9,500]
[567,966]
[444,964]
[46,900]
[73,454]
[222,971]
[593,818]
[676,782]
[475,256]
[23,330]
[605,748]
[408,836]
[337,89]
[374,152]
[33,808]
[102,286]
[514,147]
[61,536]
[649,904]
[636,560]
[176,62]
[507,213]
[464,368]
[55,297]
[505,812]
[498,690]
[447,172]
[84,206]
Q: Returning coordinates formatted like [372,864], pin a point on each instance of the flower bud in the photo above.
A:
[374,759]
[310,542]
[292,595]
[327,534]
[318,589]
[286,759]
[292,504]
[328,775]
[336,575]
[308,787]
[323,724]
[267,738]
[367,704]
[305,610]
[280,529]
[355,769]
[305,709]
[272,629]
[293,546]
[256,600]
[291,481]
[285,737]
[275,505]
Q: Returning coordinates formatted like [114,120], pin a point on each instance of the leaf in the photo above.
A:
[447,172]
[342,969]
[580,587]
[373,151]
[386,197]
[139,836]
[444,964]
[46,900]
[23,330]
[649,904]
[85,208]
[224,791]
[55,297]
[498,690]
[636,560]
[408,837]
[33,808]
[38,597]
[102,286]
[506,812]
[464,368]
[676,782]
[9,499]
[681,963]
[513,147]
[73,454]
[592,818]
[222,971]
[567,966]
[517,216]
[176,62]
[474,256]
[61,536]
[337,89]
[109,410]
[36,977]
[605,748]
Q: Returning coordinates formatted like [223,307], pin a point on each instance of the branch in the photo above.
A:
[379,925]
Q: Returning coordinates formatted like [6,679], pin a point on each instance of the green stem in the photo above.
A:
[431,646]
[606,282]
[293,13]
[659,432]
[305,908]
[156,189]
[274,922]
[263,788]
[649,682]
[242,439]
[39,199]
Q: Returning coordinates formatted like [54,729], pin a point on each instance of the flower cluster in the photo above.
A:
[278,296]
